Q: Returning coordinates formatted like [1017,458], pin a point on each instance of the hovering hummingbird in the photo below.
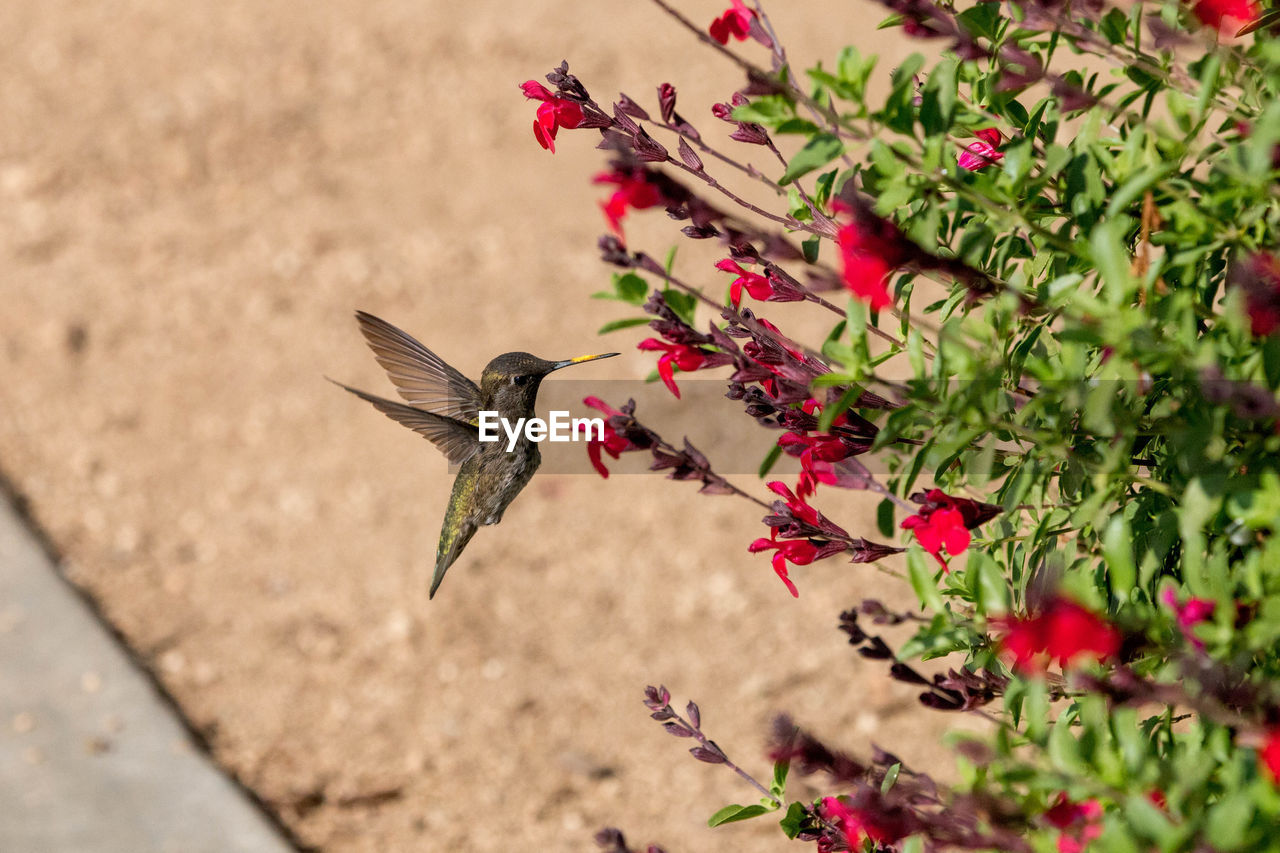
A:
[445,408]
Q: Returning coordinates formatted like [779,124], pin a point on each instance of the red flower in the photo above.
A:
[1216,13]
[1080,823]
[815,452]
[882,826]
[942,528]
[944,522]
[796,503]
[735,21]
[1269,755]
[554,113]
[1062,631]
[757,285]
[683,356]
[1189,614]
[983,153]
[612,443]
[1259,276]
[800,552]
[866,265]
[634,191]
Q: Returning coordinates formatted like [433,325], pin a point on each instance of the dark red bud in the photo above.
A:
[667,101]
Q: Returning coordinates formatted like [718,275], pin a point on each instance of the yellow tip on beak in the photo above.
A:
[582,359]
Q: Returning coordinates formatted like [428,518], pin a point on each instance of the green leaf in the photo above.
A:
[682,303]
[820,150]
[631,288]
[734,813]
[810,249]
[1107,244]
[993,591]
[1117,550]
[831,412]
[922,580]
[779,786]
[884,518]
[770,459]
[615,325]
[669,263]
[793,820]
[981,19]
[890,776]
[766,109]
[1228,824]
[1149,820]
[796,125]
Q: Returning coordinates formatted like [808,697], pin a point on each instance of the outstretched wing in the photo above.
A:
[422,377]
[459,441]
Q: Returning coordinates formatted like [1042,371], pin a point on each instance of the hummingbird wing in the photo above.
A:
[422,377]
[457,440]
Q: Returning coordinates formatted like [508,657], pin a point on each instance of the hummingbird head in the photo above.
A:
[511,380]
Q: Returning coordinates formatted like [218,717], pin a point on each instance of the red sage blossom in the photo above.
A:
[1259,277]
[734,21]
[871,247]
[554,113]
[754,283]
[945,522]
[687,358]
[1219,13]
[1080,823]
[868,815]
[634,192]
[1189,614]
[613,443]
[1062,631]
[1269,755]
[798,552]
[983,153]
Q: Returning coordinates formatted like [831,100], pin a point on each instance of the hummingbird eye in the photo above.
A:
[521,379]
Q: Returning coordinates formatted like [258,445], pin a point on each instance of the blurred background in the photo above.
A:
[193,200]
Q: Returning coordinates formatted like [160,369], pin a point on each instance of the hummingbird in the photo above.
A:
[444,407]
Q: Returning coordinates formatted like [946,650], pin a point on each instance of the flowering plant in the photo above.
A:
[1062,231]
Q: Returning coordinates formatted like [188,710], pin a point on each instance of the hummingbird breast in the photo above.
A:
[503,475]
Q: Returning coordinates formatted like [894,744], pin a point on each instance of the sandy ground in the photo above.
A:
[193,199]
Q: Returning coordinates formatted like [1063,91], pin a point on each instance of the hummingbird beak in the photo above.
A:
[582,359]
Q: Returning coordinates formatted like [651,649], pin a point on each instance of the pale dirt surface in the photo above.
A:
[193,199]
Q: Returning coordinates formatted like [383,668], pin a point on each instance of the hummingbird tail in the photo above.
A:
[450,549]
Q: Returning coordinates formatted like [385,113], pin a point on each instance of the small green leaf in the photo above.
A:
[922,580]
[810,249]
[820,150]
[884,517]
[796,125]
[669,263]
[1117,550]
[831,412]
[1107,243]
[615,325]
[779,786]
[890,776]
[981,19]
[631,288]
[734,813]
[793,821]
[993,592]
[1229,820]
[680,302]
[770,459]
